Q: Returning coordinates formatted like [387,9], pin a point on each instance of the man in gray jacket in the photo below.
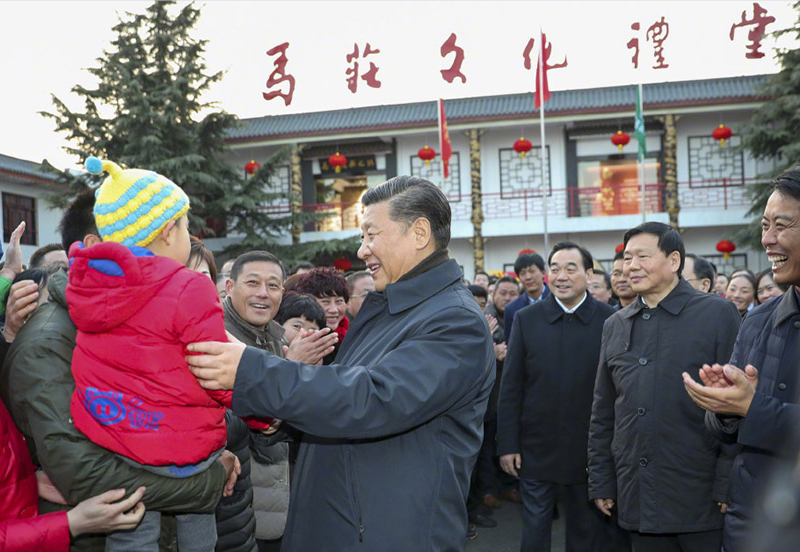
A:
[394,425]
[650,455]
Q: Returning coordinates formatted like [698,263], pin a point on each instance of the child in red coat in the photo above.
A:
[136,308]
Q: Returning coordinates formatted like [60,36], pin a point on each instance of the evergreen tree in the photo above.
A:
[773,133]
[146,112]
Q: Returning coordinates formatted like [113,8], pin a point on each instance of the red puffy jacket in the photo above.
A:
[20,529]
[134,393]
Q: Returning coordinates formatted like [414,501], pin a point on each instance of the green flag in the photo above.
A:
[638,125]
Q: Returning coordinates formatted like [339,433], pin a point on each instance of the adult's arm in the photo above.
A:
[445,361]
[512,392]
[601,470]
[42,389]
[771,425]
[45,533]
[727,326]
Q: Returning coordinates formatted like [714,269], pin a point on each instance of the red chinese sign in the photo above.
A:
[657,33]
[450,47]
[369,77]
[279,76]
[542,93]
[759,22]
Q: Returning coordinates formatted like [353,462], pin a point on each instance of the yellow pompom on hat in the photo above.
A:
[133,205]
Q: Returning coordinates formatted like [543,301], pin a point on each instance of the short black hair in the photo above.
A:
[302,265]
[484,273]
[295,305]
[528,259]
[788,183]
[618,255]
[702,268]
[410,198]
[506,280]
[355,277]
[586,257]
[37,259]
[478,291]
[78,219]
[742,270]
[669,239]
[255,256]
[606,278]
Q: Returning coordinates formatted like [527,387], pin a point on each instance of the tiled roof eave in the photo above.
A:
[453,121]
[28,176]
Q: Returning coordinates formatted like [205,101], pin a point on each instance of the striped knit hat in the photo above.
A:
[134,205]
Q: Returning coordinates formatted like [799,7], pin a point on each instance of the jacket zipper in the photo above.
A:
[353,489]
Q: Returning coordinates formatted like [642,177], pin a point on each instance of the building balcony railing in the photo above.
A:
[602,201]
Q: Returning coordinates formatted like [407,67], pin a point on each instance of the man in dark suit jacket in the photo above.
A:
[546,402]
[529,268]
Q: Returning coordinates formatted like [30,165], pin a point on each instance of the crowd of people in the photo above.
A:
[153,402]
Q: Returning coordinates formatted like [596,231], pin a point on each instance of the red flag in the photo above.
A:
[542,93]
[444,140]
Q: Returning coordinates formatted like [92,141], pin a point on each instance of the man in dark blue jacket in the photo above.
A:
[754,399]
[394,425]
[529,268]
[546,402]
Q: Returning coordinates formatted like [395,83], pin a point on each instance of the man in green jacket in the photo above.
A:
[36,384]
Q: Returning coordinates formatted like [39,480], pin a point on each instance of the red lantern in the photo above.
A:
[722,133]
[337,161]
[726,247]
[522,146]
[620,139]
[251,167]
[526,250]
[620,247]
[426,154]
[343,264]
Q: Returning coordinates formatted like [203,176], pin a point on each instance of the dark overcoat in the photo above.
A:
[648,445]
[392,428]
[546,390]
[770,433]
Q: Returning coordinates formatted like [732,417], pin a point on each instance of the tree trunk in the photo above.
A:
[474,136]
[297,194]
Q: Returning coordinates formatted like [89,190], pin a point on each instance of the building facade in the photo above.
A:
[589,189]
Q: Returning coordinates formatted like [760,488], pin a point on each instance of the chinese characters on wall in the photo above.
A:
[281,84]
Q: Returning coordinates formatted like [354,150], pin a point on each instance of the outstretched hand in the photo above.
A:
[103,514]
[13,255]
[727,390]
[22,301]
[311,346]
[216,369]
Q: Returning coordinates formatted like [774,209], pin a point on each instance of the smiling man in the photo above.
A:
[393,426]
[620,284]
[546,401]
[529,268]
[754,399]
[650,455]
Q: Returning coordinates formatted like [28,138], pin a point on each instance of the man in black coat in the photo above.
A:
[393,426]
[546,401]
[754,399]
[649,452]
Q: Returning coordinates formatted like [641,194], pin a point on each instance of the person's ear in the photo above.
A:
[589,273]
[422,232]
[91,239]
[675,260]
[228,286]
[706,284]
[166,233]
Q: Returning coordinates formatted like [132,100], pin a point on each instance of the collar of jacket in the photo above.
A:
[673,303]
[405,294]
[262,337]
[57,287]
[585,312]
[787,307]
